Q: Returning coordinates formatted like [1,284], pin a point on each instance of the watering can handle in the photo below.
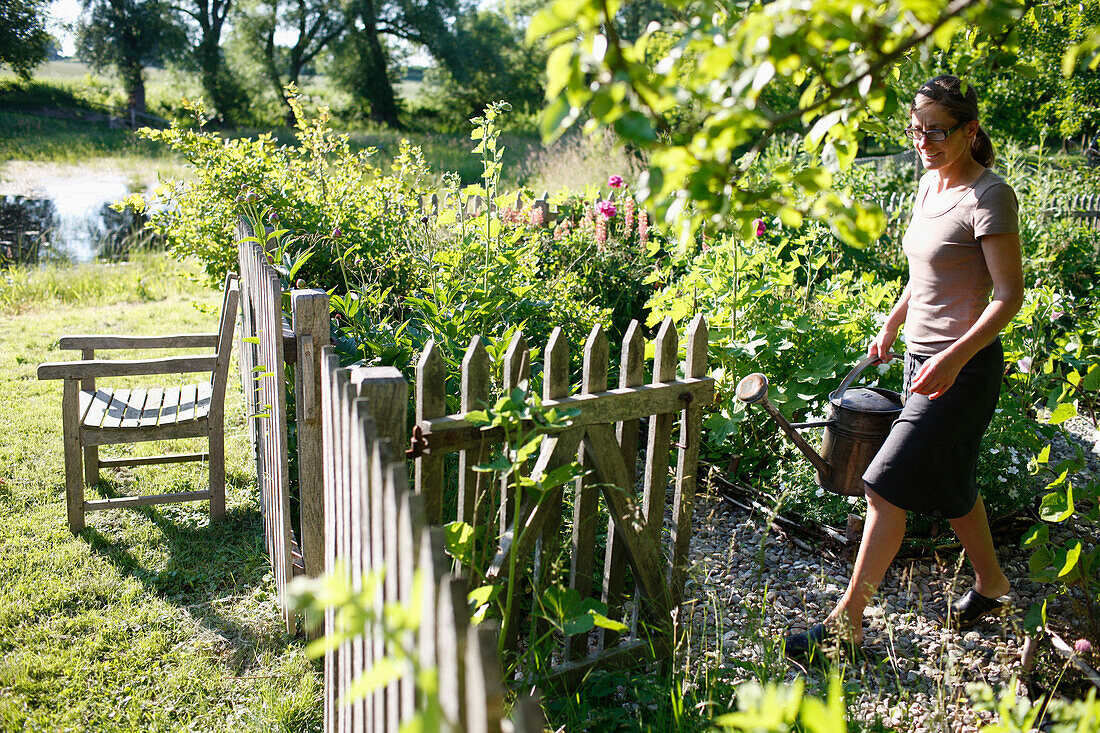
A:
[854,374]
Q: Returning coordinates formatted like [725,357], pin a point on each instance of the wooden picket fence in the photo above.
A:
[357,513]
[1084,208]
[537,211]
[375,521]
[603,437]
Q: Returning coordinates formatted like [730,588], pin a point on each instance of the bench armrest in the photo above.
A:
[108,341]
[126,367]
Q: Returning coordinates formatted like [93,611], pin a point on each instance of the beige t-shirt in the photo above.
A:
[949,283]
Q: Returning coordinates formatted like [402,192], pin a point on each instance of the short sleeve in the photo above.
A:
[996,211]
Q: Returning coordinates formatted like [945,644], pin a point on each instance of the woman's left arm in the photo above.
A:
[1003,258]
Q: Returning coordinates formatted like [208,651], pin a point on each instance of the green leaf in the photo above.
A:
[1039,560]
[1057,506]
[458,538]
[1091,382]
[382,672]
[1073,554]
[1036,618]
[498,464]
[482,595]
[560,475]
[528,449]
[1039,534]
[1064,411]
[608,623]
[578,625]
[477,417]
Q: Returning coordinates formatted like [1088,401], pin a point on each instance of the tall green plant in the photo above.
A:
[525,424]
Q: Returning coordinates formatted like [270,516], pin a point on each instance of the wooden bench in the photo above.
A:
[93,416]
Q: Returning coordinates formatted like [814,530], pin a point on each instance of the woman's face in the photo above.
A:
[943,155]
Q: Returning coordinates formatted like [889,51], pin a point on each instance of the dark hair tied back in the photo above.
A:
[946,91]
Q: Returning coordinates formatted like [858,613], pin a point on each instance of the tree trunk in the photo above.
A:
[133,80]
[374,83]
[271,68]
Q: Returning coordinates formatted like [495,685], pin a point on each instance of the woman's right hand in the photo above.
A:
[880,345]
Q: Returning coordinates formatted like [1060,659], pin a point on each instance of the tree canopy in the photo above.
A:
[24,41]
[129,35]
[707,95]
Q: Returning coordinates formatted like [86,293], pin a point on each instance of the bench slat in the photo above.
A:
[150,414]
[112,418]
[134,406]
[170,407]
[93,407]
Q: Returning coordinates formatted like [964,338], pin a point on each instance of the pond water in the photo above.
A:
[67,216]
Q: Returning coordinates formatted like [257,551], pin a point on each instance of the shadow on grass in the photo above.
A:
[209,568]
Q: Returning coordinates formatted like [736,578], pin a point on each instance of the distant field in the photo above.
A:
[62,70]
[72,73]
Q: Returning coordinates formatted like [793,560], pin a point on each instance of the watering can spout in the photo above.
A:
[753,390]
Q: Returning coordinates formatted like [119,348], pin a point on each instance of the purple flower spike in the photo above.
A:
[759,226]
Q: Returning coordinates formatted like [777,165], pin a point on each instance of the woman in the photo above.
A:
[963,246]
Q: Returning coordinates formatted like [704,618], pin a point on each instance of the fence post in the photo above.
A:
[309,310]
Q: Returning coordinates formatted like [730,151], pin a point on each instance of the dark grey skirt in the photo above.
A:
[928,462]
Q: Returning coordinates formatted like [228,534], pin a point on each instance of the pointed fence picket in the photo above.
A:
[603,438]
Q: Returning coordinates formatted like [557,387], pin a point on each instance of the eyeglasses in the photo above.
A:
[933,135]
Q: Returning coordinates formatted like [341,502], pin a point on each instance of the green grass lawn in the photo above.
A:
[151,619]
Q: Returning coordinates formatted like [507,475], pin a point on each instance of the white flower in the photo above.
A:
[852,499]
[1024,365]
[819,492]
[1002,479]
[994,450]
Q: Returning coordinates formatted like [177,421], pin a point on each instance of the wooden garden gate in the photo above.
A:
[268,346]
[603,437]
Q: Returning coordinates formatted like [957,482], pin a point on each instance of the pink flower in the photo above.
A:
[336,233]
[606,209]
[643,227]
[628,217]
[1082,646]
[615,181]
[601,233]
[760,227]
[536,217]
[1024,365]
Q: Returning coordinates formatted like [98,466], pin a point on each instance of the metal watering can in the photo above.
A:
[859,421]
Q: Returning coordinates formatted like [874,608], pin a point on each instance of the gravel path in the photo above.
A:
[750,587]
